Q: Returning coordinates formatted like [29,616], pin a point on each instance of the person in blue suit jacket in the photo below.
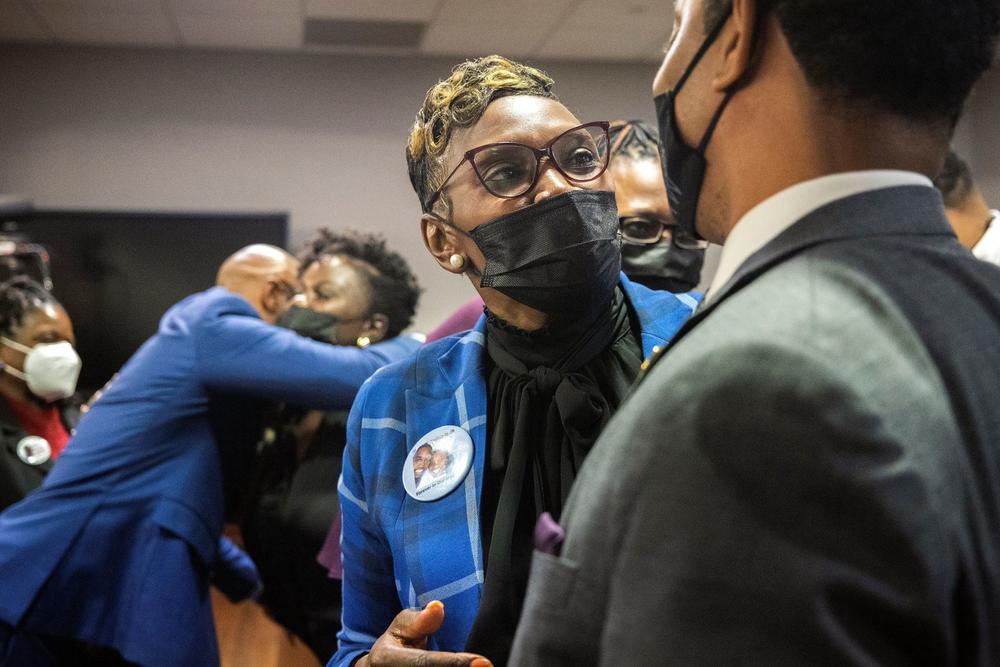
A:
[116,550]
[455,453]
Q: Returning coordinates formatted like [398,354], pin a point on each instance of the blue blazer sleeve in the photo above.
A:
[239,353]
[235,574]
[369,600]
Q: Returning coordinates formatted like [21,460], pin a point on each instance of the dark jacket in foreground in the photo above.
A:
[810,475]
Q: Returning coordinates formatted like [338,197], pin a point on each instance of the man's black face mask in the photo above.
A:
[683,166]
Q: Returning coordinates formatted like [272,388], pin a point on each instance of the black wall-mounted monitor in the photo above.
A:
[117,273]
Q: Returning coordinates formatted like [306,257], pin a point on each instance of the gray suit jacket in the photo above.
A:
[812,473]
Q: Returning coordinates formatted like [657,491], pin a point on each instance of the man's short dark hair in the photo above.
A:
[955,181]
[394,288]
[917,59]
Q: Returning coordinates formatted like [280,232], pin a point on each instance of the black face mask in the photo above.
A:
[683,166]
[561,256]
[663,265]
[309,323]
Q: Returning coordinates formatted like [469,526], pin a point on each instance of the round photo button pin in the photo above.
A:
[34,450]
[438,463]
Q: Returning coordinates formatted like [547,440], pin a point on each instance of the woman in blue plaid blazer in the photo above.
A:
[528,209]
[400,553]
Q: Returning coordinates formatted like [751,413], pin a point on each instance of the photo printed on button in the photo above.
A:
[34,450]
[438,463]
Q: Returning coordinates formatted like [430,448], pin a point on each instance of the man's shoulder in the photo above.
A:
[807,348]
[931,282]
[204,311]
[808,307]
[213,301]
[196,306]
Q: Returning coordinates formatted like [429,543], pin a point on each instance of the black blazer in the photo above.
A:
[18,478]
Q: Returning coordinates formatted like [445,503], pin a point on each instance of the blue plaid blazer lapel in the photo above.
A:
[658,313]
[442,542]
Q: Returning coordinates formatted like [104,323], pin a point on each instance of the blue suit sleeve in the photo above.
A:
[239,353]
[369,594]
[235,574]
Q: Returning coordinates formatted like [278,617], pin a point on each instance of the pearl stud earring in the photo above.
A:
[456,261]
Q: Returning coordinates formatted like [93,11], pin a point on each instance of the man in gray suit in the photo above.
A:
[810,473]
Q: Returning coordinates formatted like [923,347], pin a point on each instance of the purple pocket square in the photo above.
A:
[549,535]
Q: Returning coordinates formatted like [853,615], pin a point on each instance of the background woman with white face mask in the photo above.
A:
[40,367]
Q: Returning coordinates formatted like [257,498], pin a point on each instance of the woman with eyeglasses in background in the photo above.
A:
[516,196]
[655,252]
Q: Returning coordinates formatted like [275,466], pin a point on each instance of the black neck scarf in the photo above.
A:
[551,393]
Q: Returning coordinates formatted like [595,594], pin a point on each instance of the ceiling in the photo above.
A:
[586,30]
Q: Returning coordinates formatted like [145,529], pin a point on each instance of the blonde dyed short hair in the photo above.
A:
[460,101]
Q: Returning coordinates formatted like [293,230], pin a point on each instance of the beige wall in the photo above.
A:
[318,136]
[980,141]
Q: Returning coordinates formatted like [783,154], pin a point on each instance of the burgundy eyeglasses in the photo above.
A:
[509,169]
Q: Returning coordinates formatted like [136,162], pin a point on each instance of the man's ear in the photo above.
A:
[441,243]
[737,45]
[271,300]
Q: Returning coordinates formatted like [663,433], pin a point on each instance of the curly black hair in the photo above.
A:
[394,288]
[634,140]
[917,59]
[18,297]
[955,181]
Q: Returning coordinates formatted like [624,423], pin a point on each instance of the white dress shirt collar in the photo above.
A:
[763,223]
[988,248]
